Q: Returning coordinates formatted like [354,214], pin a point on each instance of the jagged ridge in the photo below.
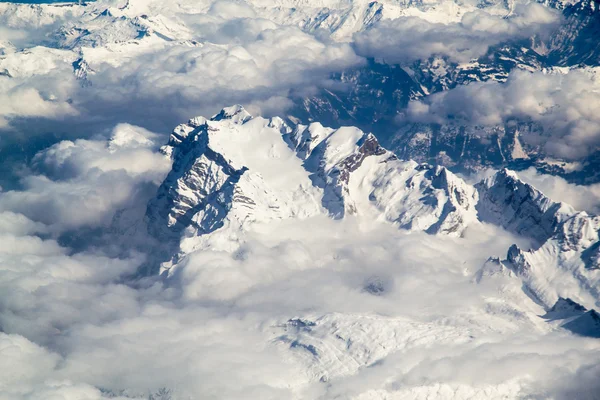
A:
[233,170]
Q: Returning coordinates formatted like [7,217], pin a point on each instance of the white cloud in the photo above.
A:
[397,314]
[221,317]
[563,104]
[19,225]
[83,183]
[193,62]
[29,373]
[406,303]
[185,81]
[407,39]
[36,84]
[29,102]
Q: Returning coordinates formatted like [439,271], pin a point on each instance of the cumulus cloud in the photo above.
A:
[89,74]
[225,317]
[36,86]
[407,39]
[18,224]
[583,385]
[383,305]
[26,26]
[28,102]
[563,104]
[227,22]
[189,64]
[83,183]
[192,80]
[45,291]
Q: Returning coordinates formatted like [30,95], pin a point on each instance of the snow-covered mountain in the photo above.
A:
[234,172]
[378,95]
[335,251]
[564,258]
[216,191]
[234,169]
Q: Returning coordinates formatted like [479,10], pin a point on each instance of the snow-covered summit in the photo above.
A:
[507,201]
[234,170]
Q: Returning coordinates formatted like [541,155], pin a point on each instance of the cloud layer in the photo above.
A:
[581,197]
[301,309]
[83,183]
[563,104]
[405,40]
[225,317]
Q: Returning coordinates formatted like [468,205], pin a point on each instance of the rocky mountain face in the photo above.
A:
[519,208]
[234,171]
[258,215]
[368,98]
[572,44]
[298,168]
[379,92]
[371,96]
[564,242]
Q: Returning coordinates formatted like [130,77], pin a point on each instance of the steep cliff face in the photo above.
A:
[563,259]
[237,178]
[329,253]
[371,96]
[508,202]
[374,98]
[228,172]
[573,43]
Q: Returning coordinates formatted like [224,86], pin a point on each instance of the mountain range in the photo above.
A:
[234,172]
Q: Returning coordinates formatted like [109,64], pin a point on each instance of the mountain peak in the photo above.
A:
[234,170]
[518,207]
[587,324]
[564,308]
[235,113]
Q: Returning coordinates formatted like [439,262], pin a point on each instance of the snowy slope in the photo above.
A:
[114,30]
[520,208]
[234,169]
[110,33]
[563,262]
[319,259]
